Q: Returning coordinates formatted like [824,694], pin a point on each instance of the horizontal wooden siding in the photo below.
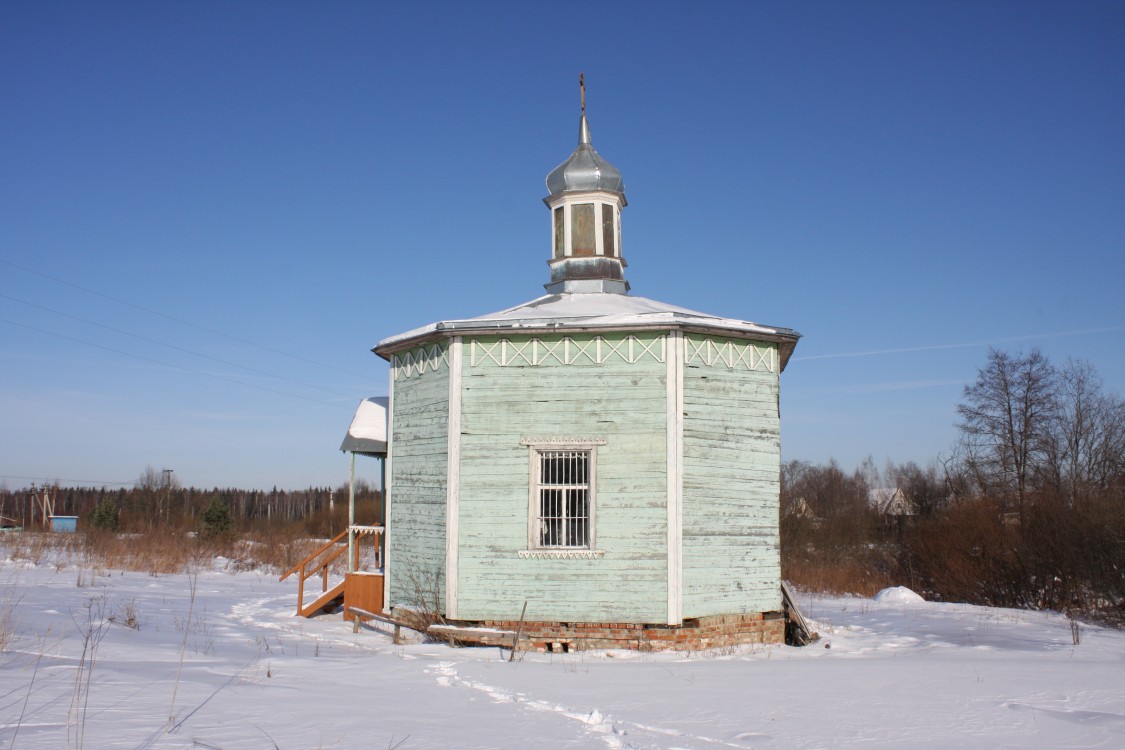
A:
[416,512]
[731,481]
[552,386]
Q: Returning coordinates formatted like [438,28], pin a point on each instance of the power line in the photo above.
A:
[964,345]
[174,366]
[181,321]
[173,346]
[80,481]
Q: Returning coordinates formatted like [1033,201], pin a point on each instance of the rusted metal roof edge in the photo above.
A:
[363,446]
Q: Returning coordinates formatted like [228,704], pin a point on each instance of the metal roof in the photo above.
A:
[597,312]
[585,169]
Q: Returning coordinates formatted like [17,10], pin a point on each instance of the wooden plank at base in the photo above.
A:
[358,615]
[457,630]
[369,615]
[796,626]
[477,636]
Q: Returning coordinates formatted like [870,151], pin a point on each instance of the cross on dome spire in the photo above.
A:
[586,198]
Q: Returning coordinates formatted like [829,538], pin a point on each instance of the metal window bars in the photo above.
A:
[564,499]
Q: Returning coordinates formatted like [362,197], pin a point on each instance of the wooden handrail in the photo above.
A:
[307,570]
[313,556]
[323,567]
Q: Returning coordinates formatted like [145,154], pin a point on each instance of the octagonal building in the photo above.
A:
[609,460]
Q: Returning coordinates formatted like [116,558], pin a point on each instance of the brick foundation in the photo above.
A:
[694,635]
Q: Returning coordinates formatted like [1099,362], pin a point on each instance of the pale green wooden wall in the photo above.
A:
[417,485]
[534,387]
[731,480]
[618,400]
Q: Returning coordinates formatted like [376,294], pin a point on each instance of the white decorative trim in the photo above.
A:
[418,361]
[560,554]
[565,441]
[730,353]
[534,352]
[453,479]
[388,495]
[675,461]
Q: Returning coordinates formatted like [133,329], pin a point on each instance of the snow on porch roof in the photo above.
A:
[368,431]
[594,311]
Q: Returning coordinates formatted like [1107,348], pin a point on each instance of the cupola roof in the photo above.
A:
[588,293]
[585,169]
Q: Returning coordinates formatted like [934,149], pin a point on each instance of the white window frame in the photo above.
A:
[537,447]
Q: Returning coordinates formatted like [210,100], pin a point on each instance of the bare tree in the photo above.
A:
[156,486]
[1006,421]
[924,488]
[870,474]
[150,480]
[1089,434]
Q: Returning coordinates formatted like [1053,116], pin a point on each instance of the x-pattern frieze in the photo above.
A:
[418,361]
[730,354]
[564,351]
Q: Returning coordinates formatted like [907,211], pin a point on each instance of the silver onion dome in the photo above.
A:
[585,169]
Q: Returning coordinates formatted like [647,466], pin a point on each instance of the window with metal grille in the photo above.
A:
[564,493]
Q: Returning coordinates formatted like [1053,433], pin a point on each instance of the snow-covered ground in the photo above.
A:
[234,668]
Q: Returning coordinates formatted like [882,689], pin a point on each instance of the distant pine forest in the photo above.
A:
[157,502]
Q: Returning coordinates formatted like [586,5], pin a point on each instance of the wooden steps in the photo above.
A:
[332,597]
[365,589]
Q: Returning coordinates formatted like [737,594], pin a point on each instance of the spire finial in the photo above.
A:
[583,126]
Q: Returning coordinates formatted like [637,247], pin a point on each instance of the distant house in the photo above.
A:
[799,508]
[590,468]
[889,502]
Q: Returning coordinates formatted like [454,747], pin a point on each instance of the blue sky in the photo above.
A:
[210,212]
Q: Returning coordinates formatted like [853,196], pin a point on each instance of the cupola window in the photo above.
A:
[582,238]
[560,238]
[609,236]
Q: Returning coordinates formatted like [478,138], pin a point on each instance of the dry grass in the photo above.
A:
[840,577]
[39,548]
[1060,554]
[150,553]
[160,553]
[8,606]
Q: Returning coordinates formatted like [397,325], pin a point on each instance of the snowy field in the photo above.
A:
[101,659]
